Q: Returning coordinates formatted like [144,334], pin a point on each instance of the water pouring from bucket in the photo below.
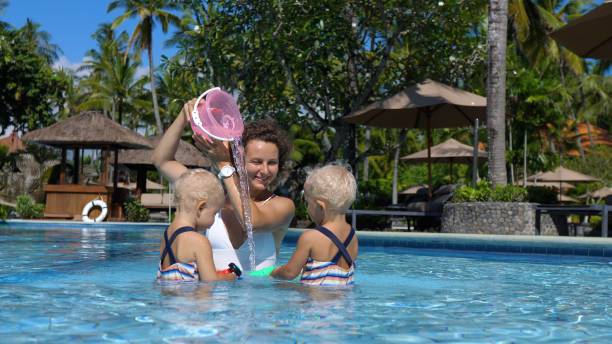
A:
[216,116]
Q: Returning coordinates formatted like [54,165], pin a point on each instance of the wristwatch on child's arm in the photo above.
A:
[226,172]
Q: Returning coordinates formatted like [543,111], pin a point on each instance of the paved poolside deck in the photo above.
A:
[553,245]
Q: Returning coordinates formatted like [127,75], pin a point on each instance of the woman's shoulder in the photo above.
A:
[283,204]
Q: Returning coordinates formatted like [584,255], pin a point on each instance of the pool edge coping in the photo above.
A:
[581,246]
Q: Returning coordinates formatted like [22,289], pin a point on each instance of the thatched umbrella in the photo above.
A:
[589,35]
[12,143]
[450,151]
[140,159]
[88,129]
[426,105]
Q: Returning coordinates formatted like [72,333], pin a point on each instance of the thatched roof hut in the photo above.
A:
[89,129]
[186,154]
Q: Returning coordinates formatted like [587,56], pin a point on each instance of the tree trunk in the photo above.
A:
[160,128]
[366,161]
[400,143]
[511,148]
[496,90]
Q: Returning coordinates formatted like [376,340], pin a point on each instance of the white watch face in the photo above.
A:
[227,171]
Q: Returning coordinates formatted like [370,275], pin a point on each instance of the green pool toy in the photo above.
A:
[262,272]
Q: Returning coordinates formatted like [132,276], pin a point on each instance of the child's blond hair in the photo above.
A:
[334,184]
[197,185]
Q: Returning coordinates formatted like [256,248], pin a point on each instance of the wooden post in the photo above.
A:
[141,179]
[116,169]
[104,176]
[475,155]
[77,165]
[62,176]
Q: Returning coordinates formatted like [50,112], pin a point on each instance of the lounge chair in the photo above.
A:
[420,203]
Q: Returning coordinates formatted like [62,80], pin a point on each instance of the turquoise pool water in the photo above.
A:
[97,285]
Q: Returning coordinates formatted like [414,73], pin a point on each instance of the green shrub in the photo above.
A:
[4,212]
[541,194]
[28,209]
[135,212]
[483,192]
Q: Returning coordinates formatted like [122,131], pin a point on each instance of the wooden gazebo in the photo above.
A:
[87,130]
[140,159]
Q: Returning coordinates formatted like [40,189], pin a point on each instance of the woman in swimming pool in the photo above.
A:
[266,152]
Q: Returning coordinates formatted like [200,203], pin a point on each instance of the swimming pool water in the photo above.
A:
[98,285]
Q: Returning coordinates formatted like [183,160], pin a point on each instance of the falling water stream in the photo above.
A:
[238,155]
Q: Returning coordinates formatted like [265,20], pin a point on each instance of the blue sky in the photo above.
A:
[71,24]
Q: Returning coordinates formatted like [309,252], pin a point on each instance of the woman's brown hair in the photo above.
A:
[268,130]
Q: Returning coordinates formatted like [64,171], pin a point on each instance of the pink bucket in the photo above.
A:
[216,115]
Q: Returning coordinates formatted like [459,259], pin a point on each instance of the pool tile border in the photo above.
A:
[519,244]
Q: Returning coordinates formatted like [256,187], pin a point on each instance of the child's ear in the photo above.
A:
[321,204]
[201,205]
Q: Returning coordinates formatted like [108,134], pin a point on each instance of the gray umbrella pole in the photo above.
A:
[525,159]
[451,170]
[475,155]
[429,154]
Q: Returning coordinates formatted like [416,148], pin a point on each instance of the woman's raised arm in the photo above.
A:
[163,155]
[270,217]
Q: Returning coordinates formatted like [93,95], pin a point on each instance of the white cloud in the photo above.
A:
[64,63]
[141,71]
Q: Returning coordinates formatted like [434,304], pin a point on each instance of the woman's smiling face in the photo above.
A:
[261,159]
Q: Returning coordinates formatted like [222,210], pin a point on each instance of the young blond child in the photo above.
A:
[326,255]
[186,254]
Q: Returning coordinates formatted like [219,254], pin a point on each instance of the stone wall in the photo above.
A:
[497,218]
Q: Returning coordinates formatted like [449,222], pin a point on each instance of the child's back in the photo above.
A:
[186,254]
[326,255]
[332,256]
[182,265]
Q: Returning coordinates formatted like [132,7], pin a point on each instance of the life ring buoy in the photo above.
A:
[95,203]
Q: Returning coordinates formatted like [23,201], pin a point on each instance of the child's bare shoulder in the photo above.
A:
[195,239]
[310,235]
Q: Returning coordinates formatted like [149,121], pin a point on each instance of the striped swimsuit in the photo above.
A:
[176,271]
[330,273]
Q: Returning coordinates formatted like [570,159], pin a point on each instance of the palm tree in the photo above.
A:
[42,39]
[496,90]
[148,12]
[113,84]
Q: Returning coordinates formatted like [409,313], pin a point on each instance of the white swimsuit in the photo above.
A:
[224,253]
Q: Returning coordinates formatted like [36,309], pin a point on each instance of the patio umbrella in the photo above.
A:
[88,129]
[589,35]
[566,199]
[426,105]
[560,175]
[12,143]
[451,151]
[564,185]
[599,194]
[413,189]
[140,159]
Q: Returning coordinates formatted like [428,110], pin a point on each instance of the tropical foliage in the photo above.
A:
[309,63]
[27,208]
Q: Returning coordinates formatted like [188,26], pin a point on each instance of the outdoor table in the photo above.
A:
[575,210]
